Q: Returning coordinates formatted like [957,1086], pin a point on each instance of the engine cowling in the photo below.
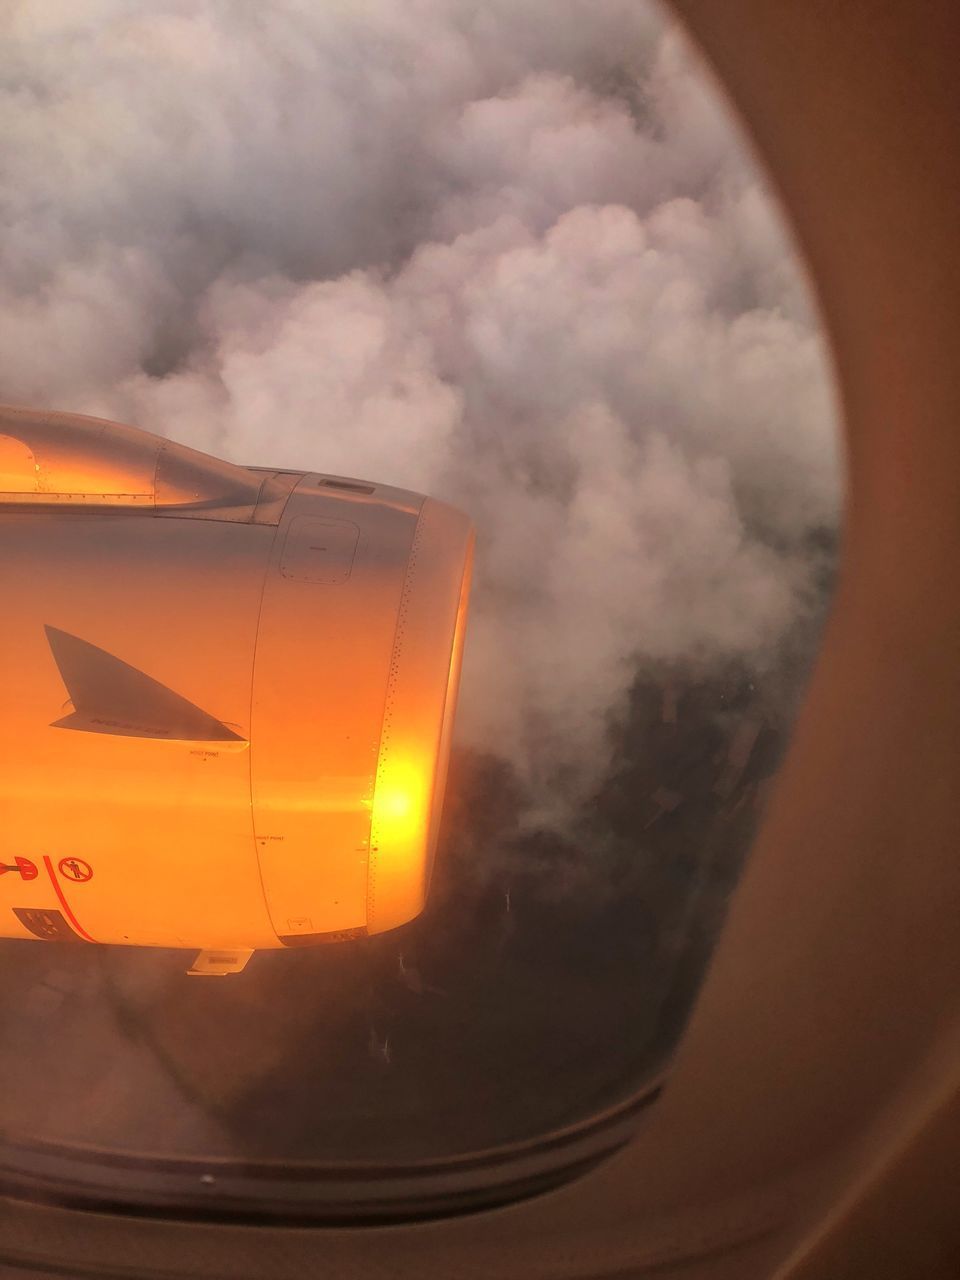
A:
[228,692]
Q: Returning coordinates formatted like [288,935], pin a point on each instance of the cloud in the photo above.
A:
[514,255]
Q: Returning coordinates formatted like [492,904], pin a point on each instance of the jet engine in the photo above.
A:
[228,693]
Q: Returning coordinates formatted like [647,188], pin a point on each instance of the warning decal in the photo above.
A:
[75,869]
[49,925]
[28,870]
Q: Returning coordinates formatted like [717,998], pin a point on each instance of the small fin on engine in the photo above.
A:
[110,696]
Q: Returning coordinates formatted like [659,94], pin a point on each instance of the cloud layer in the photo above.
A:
[514,255]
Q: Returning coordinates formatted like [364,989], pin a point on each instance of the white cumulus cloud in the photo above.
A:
[515,255]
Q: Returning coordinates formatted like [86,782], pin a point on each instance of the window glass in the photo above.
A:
[516,257]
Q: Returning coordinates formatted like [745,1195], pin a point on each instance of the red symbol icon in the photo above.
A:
[27,869]
[75,869]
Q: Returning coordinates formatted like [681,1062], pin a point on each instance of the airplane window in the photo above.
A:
[513,257]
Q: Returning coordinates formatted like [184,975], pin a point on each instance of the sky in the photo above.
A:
[514,255]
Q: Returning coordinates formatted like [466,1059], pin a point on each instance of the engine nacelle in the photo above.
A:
[228,692]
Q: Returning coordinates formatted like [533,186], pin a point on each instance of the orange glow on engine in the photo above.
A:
[401,802]
[399,833]
[417,723]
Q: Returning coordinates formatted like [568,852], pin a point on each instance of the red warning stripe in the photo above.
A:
[63,902]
